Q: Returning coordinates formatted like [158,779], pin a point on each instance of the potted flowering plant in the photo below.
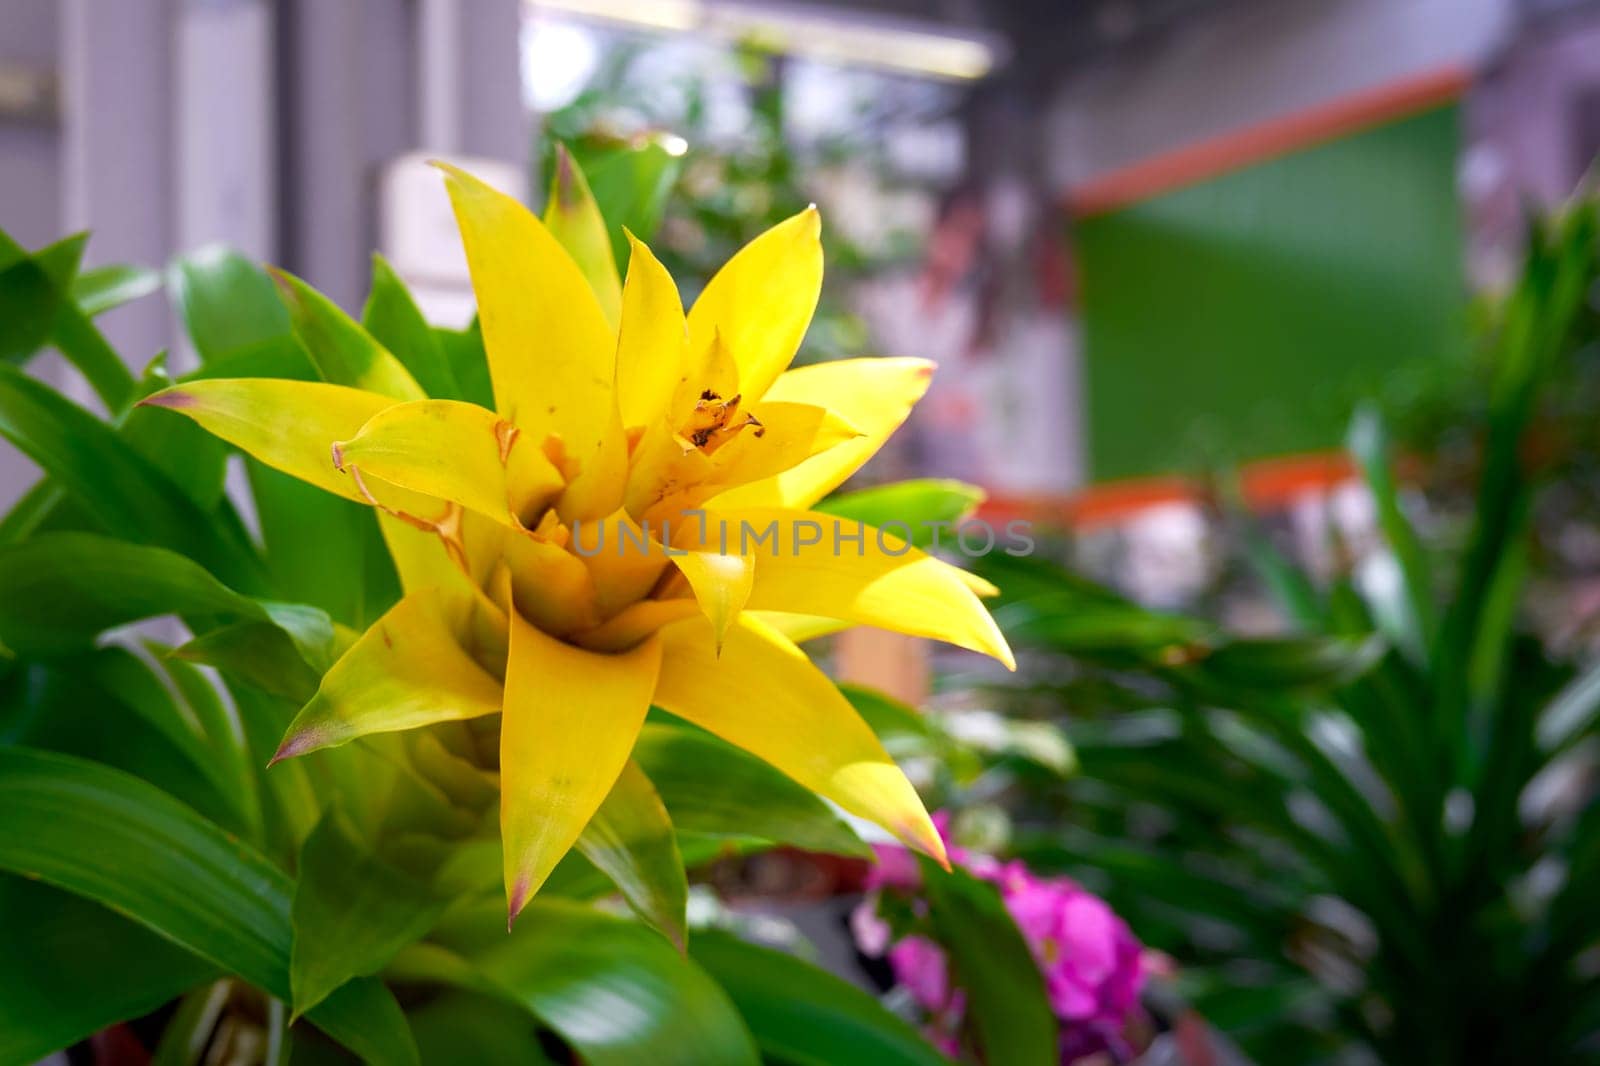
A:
[411,699]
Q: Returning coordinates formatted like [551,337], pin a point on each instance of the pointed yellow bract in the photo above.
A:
[762,300]
[455,451]
[762,694]
[570,719]
[630,524]
[552,355]
[652,340]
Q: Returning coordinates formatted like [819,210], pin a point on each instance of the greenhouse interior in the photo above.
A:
[799,532]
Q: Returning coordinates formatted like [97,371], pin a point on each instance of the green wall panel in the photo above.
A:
[1245,316]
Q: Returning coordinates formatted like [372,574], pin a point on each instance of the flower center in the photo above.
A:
[715,421]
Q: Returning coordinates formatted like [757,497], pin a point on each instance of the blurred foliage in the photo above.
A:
[1376,836]
[725,190]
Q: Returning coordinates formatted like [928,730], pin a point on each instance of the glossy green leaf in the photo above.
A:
[256,652]
[227,303]
[989,959]
[803,1015]
[120,489]
[65,588]
[70,968]
[100,289]
[343,352]
[1368,441]
[922,505]
[614,990]
[711,787]
[630,839]
[126,844]
[352,911]
[29,300]
[631,184]
[392,318]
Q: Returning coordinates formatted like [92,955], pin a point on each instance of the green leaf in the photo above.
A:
[712,787]
[343,352]
[463,350]
[66,588]
[226,302]
[574,220]
[1368,441]
[922,505]
[71,968]
[392,318]
[990,960]
[119,488]
[1276,664]
[184,1037]
[256,652]
[631,184]
[99,290]
[614,990]
[630,839]
[352,912]
[29,300]
[463,1027]
[122,842]
[803,1015]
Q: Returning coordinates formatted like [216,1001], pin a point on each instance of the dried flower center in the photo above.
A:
[715,421]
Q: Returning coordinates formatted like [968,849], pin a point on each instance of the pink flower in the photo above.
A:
[919,965]
[1088,957]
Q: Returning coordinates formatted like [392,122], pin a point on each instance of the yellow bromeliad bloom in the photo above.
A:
[561,555]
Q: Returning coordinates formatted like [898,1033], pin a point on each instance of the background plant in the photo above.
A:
[1375,837]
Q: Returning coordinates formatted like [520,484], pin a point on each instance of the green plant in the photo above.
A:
[1379,835]
[159,632]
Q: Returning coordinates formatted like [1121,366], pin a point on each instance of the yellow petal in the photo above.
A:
[721,584]
[289,425]
[652,340]
[409,669]
[763,695]
[801,627]
[552,355]
[455,451]
[622,559]
[633,624]
[574,220]
[666,479]
[761,301]
[571,717]
[873,395]
[821,564]
[550,585]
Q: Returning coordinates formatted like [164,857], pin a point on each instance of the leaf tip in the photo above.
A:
[175,399]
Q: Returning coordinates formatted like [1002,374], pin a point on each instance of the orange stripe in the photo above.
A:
[1266,485]
[1245,147]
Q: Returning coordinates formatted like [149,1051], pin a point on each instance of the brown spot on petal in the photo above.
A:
[505,435]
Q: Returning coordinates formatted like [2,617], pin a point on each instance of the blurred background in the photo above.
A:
[1010,188]
[1163,252]
[1144,239]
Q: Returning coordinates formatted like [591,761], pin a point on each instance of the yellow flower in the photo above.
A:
[563,555]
